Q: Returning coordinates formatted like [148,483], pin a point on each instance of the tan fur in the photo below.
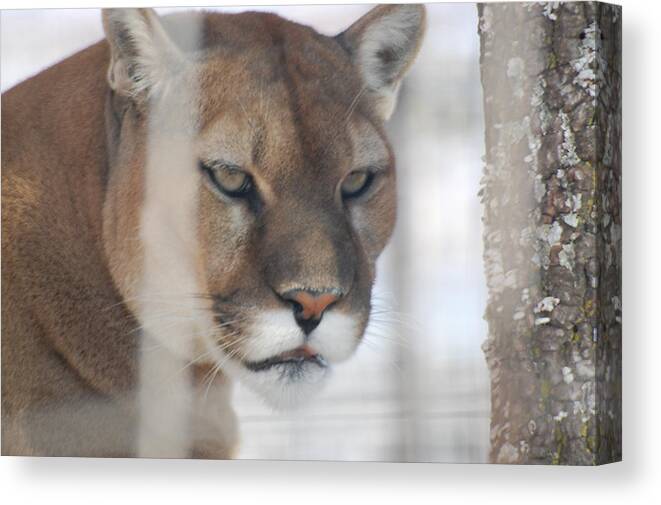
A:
[66,346]
[109,228]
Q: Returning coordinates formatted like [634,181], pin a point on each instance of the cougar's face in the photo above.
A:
[261,187]
[296,201]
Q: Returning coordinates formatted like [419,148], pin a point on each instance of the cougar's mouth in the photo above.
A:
[296,358]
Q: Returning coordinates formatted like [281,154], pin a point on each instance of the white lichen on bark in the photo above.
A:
[552,235]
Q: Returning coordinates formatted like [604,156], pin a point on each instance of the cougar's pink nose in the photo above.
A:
[309,306]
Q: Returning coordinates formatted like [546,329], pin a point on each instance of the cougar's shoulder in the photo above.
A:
[61,348]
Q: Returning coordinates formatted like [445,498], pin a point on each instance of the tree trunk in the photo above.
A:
[551,191]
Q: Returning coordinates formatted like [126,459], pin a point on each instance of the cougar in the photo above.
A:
[197,199]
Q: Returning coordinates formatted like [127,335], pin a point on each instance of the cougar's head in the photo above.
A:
[251,185]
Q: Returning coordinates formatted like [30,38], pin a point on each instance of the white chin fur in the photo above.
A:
[275,332]
[279,389]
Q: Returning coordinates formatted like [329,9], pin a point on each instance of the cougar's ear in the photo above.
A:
[142,56]
[383,44]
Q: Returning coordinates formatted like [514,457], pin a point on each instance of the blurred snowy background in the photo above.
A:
[417,390]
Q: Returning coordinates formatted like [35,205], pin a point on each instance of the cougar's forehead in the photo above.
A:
[285,98]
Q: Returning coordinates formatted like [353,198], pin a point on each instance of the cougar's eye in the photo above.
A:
[356,183]
[229,179]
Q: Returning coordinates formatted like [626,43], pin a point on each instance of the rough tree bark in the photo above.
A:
[551,77]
